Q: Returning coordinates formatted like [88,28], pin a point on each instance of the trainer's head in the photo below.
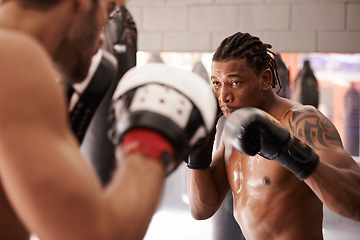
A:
[243,72]
[82,38]
[68,29]
[39,4]
[77,25]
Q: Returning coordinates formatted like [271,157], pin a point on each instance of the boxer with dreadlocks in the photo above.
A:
[282,160]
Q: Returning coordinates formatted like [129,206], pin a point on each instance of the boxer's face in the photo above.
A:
[236,85]
[82,41]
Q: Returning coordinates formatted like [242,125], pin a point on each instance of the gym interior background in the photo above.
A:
[185,33]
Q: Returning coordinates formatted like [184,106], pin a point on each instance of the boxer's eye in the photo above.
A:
[216,84]
[235,83]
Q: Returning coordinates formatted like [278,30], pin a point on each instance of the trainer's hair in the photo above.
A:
[244,46]
[43,4]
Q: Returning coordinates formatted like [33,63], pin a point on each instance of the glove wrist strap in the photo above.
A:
[150,143]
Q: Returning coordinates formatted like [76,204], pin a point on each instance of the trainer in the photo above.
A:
[47,188]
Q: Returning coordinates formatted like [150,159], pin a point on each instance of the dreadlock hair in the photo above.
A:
[244,46]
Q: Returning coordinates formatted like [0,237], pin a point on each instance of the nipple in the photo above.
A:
[266,181]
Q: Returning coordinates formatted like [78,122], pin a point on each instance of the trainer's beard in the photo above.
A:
[81,70]
[65,76]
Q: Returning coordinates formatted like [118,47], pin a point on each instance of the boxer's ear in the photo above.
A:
[266,78]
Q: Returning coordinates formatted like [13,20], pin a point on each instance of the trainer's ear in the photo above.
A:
[82,5]
[266,77]
[120,3]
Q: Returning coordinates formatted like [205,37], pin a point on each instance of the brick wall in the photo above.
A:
[289,25]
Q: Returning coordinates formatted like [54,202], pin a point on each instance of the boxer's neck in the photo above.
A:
[269,100]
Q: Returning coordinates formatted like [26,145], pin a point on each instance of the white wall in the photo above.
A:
[289,25]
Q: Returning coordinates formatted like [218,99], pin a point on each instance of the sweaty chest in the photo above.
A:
[264,192]
[254,175]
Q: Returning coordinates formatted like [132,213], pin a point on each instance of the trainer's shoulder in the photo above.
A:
[21,49]
[22,54]
[25,68]
[11,38]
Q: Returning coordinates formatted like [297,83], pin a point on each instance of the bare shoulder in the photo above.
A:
[23,55]
[311,126]
[14,43]
[24,63]
[28,88]
[21,51]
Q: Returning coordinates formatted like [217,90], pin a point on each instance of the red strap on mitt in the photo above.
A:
[150,143]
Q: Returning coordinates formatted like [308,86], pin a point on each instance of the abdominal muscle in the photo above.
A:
[270,202]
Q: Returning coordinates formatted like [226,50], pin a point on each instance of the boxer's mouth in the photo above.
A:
[227,110]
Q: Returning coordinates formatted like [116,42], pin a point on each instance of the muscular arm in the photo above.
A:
[55,193]
[336,180]
[207,187]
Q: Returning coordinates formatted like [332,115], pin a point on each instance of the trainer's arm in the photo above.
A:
[54,191]
[336,180]
[207,187]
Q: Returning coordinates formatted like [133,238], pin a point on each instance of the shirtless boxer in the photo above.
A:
[282,198]
[47,188]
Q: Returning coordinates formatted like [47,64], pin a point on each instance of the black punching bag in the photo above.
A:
[122,35]
[306,86]
[283,76]
[351,121]
[121,39]
[155,58]
[84,103]
[200,70]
